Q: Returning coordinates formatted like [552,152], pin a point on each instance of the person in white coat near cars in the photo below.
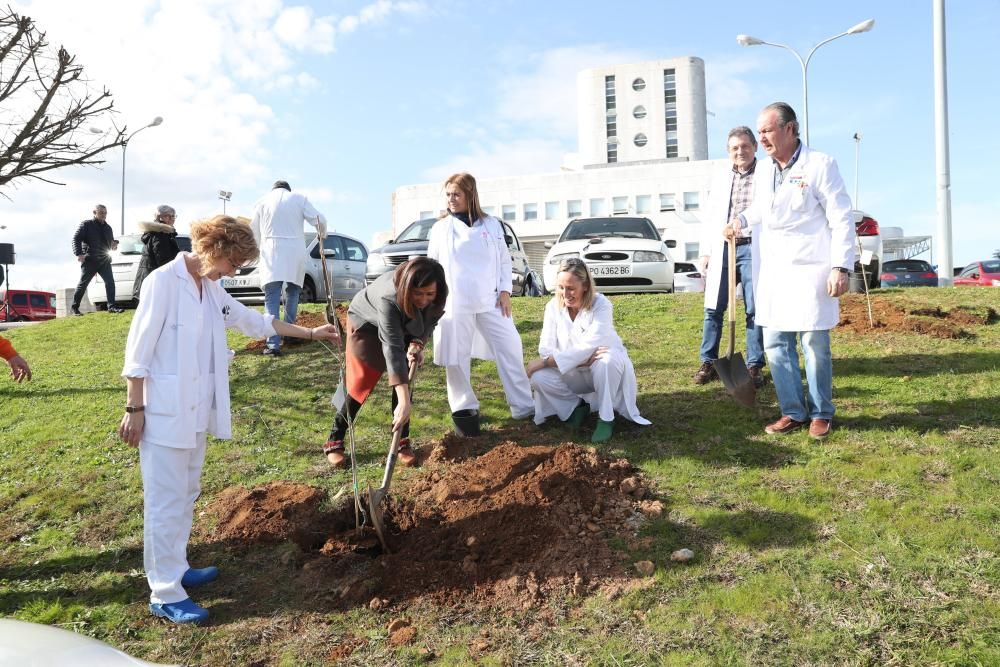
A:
[277,228]
[177,369]
[584,365]
[804,242]
[472,248]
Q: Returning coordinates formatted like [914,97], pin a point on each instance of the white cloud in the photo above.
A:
[502,158]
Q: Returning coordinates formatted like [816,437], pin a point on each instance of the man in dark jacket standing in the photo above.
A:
[92,244]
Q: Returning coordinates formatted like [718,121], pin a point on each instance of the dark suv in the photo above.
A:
[413,243]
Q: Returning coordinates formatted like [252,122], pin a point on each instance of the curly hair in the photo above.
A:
[223,237]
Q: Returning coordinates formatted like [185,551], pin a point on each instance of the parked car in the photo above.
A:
[25,305]
[985,273]
[345,260]
[412,242]
[870,240]
[688,278]
[908,273]
[624,254]
[124,264]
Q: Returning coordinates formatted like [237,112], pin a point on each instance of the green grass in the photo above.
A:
[879,546]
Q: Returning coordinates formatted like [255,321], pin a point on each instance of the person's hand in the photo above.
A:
[594,356]
[401,414]
[415,354]
[130,430]
[503,303]
[114,245]
[19,369]
[80,258]
[704,263]
[535,365]
[326,332]
[731,230]
[837,283]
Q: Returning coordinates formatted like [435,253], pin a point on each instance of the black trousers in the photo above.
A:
[350,411]
[91,267]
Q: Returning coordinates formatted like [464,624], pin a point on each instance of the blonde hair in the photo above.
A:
[467,184]
[222,237]
[578,268]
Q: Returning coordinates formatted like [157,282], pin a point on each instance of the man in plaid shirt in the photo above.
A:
[732,192]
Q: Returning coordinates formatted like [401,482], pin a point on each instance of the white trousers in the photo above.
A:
[504,342]
[171,482]
[600,385]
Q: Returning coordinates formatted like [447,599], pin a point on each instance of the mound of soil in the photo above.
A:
[503,530]
[888,316]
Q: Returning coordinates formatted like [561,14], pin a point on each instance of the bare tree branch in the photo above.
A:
[47,106]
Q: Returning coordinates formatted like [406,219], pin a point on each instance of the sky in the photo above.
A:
[349,100]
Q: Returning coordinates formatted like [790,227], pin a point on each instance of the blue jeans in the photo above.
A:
[784,361]
[712,331]
[272,303]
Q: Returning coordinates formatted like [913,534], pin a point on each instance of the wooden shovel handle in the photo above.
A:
[732,295]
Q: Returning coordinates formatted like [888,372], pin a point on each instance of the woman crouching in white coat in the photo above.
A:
[583,363]
[177,368]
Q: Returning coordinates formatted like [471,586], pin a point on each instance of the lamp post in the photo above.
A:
[747,40]
[156,121]
[224,196]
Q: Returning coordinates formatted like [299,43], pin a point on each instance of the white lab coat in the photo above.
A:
[161,348]
[801,232]
[570,342]
[714,221]
[277,227]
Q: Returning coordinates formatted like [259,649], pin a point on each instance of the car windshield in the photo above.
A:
[907,265]
[130,244]
[418,231]
[684,267]
[992,266]
[592,228]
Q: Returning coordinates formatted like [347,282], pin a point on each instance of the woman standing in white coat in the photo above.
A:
[472,248]
[583,364]
[177,368]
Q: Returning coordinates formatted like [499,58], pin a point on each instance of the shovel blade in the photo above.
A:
[736,379]
[375,497]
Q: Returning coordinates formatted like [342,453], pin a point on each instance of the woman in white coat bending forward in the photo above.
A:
[583,363]
[177,368]
[472,248]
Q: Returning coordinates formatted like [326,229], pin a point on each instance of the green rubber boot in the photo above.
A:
[603,431]
[579,415]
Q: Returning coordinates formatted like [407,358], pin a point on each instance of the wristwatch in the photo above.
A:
[841,269]
[134,408]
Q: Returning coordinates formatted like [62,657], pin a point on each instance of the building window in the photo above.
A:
[574,208]
[639,84]
[619,205]
[690,251]
[551,210]
[690,201]
[509,212]
[643,203]
[640,140]
[426,214]
[598,208]
[490,210]
[667,202]
[611,114]
[639,112]
[530,212]
[670,110]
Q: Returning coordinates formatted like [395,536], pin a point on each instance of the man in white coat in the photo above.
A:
[803,227]
[732,192]
[277,227]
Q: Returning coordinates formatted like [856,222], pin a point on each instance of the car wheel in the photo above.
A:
[308,294]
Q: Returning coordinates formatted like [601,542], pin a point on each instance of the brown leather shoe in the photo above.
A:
[334,450]
[820,428]
[757,376]
[784,425]
[405,453]
[706,373]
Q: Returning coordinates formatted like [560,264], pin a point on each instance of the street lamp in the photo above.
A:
[156,121]
[224,196]
[747,40]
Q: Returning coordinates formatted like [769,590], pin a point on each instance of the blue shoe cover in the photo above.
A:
[195,577]
[185,611]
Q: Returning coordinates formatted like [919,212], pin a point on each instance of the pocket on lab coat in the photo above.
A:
[161,395]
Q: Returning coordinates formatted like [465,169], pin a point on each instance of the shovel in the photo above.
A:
[732,369]
[376,496]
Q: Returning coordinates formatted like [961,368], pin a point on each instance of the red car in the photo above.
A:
[22,305]
[985,273]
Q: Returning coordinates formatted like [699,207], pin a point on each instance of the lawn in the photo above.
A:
[877,547]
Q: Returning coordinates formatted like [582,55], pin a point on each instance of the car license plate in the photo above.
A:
[602,271]
[234,282]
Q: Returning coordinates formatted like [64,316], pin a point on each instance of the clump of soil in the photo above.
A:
[503,530]
[303,320]
[889,316]
[274,512]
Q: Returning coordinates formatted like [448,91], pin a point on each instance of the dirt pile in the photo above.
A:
[310,320]
[502,530]
[271,513]
[889,316]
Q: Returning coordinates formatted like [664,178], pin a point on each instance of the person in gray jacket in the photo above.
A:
[388,324]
